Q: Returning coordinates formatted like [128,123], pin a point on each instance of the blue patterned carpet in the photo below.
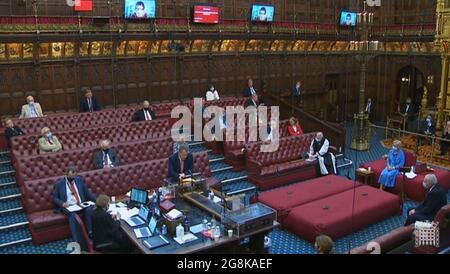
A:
[283,242]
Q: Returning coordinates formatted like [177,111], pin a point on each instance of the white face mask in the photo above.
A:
[31,103]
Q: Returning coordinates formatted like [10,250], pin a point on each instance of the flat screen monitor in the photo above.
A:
[140,9]
[262,13]
[84,5]
[348,19]
[144,213]
[206,14]
[139,196]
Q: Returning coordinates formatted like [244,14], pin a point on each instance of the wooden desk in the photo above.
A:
[228,245]
[365,177]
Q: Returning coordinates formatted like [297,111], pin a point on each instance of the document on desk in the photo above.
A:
[187,238]
[174,214]
[196,228]
[411,175]
[74,208]
[126,213]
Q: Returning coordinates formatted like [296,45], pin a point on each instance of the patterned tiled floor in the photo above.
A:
[283,242]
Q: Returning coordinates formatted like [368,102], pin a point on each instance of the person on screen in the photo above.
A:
[139,11]
[262,16]
[348,20]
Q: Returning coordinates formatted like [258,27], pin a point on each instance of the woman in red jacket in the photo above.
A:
[294,127]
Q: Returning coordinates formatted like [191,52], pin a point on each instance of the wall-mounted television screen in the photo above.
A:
[206,14]
[140,9]
[83,5]
[262,13]
[348,19]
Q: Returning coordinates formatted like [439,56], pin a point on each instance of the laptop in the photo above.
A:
[139,219]
[147,231]
[155,242]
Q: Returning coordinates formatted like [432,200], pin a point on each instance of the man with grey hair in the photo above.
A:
[436,199]
[48,142]
[319,150]
[145,113]
[106,157]
[31,109]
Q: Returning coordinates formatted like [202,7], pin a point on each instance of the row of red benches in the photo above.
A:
[37,198]
[68,121]
[84,138]
[56,164]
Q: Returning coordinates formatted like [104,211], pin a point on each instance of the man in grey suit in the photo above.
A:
[106,157]
[31,110]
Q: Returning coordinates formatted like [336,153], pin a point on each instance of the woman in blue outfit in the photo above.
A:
[396,160]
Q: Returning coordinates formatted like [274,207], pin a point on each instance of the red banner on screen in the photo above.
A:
[206,14]
[84,5]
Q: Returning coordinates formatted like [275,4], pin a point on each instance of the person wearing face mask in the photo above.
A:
[48,142]
[396,160]
[435,199]
[31,109]
[428,127]
[106,157]
[72,190]
[144,114]
[212,94]
[107,236]
[319,150]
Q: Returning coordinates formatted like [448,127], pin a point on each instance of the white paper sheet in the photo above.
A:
[74,208]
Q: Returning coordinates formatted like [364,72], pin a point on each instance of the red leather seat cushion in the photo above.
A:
[334,216]
[46,218]
[286,198]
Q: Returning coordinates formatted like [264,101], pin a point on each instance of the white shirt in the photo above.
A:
[368,107]
[252,90]
[148,117]
[71,200]
[108,160]
[212,95]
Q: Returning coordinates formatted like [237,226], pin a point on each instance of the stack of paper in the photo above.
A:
[174,214]
[188,237]
[126,213]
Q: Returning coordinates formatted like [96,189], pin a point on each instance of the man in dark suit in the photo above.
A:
[428,127]
[144,114]
[249,90]
[12,130]
[409,111]
[107,236]
[89,103]
[253,101]
[106,157]
[297,92]
[435,200]
[370,109]
[72,190]
[181,164]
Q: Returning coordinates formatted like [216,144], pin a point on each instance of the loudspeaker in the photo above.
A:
[100,20]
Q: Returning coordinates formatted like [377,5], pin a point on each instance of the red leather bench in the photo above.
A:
[46,225]
[84,138]
[67,121]
[411,188]
[55,164]
[273,169]
[284,199]
[402,235]
[233,150]
[334,216]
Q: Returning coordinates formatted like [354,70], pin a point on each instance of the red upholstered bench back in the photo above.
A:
[55,164]
[38,194]
[85,138]
[410,158]
[290,148]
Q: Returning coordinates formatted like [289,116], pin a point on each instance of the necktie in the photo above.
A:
[105,159]
[407,108]
[50,141]
[147,115]
[74,192]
